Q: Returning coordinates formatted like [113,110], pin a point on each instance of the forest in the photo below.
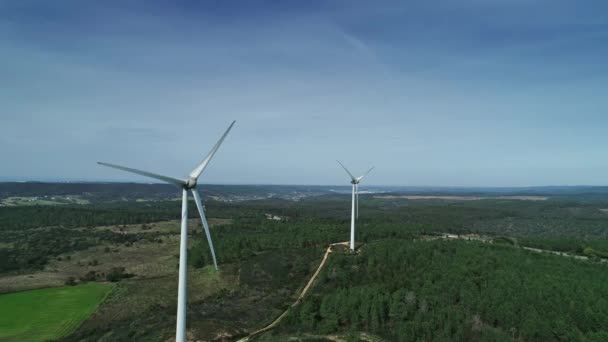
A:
[465,291]
[316,221]
[404,284]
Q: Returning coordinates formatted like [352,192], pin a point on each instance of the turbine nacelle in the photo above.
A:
[355,180]
[190,183]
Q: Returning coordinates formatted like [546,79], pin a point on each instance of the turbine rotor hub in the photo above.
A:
[190,183]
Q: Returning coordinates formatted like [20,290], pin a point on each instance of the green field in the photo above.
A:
[45,314]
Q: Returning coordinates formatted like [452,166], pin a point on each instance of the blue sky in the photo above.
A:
[444,93]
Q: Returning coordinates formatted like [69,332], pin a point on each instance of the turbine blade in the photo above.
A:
[169,180]
[199,169]
[201,211]
[345,169]
[365,174]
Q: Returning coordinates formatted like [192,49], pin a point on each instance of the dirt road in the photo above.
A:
[300,297]
[487,239]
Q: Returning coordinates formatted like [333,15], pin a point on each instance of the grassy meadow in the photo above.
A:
[45,314]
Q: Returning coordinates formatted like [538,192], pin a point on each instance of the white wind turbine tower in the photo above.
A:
[188,184]
[355,203]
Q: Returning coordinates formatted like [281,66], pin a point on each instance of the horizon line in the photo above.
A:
[326,185]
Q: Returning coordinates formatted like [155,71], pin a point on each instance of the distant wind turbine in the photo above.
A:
[186,184]
[355,203]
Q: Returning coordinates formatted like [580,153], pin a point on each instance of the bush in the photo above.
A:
[90,276]
[594,253]
[117,273]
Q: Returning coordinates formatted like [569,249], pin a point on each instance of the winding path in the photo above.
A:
[329,249]
[300,297]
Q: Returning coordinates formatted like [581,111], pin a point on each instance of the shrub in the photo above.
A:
[90,276]
[117,273]
[71,281]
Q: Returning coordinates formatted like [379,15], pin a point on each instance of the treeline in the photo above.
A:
[457,291]
[109,214]
[19,218]
[246,237]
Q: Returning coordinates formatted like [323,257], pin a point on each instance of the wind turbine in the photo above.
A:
[188,184]
[355,205]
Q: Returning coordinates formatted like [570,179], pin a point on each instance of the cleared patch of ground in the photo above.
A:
[173,227]
[154,257]
[221,305]
[30,281]
[155,298]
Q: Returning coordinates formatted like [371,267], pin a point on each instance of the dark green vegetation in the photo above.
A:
[399,286]
[41,315]
[456,291]
[31,235]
